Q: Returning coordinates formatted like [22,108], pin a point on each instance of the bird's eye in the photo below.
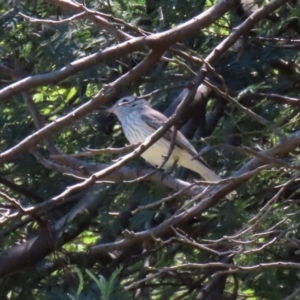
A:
[125,100]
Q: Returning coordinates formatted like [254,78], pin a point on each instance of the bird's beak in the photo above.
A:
[111,110]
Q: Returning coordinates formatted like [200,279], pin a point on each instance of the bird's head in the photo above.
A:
[127,104]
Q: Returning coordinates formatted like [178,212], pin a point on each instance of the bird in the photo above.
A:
[139,120]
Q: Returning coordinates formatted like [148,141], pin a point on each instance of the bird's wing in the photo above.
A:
[155,120]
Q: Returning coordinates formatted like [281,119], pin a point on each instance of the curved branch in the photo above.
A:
[103,96]
[159,41]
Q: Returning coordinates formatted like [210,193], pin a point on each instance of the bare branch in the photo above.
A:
[52,22]
[93,152]
[13,201]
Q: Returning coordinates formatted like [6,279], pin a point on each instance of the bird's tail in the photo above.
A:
[198,167]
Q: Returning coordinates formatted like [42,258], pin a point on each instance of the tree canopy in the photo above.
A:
[83,216]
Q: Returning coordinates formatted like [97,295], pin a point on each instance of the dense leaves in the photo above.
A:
[70,232]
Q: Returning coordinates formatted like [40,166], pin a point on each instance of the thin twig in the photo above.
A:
[13,201]
[52,22]
[247,111]
[293,295]
[93,152]
[166,199]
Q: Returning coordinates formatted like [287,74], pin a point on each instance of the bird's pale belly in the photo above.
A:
[156,154]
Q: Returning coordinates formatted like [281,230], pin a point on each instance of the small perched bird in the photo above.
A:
[139,121]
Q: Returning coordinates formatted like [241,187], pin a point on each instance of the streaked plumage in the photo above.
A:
[139,121]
